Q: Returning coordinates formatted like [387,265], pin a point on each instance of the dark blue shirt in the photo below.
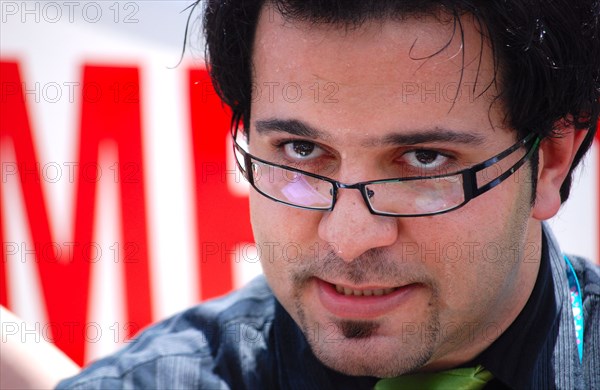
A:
[246,340]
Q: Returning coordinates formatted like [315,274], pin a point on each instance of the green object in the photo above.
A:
[472,378]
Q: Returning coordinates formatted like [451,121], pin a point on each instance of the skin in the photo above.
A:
[464,275]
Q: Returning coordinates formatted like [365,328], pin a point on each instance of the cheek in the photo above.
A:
[277,226]
[488,233]
[282,233]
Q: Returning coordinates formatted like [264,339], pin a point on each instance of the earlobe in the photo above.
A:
[555,158]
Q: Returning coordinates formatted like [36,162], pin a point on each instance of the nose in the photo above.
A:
[351,228]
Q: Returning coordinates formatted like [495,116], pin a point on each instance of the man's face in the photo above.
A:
[378,295]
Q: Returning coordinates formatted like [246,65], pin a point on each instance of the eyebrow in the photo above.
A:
[433,135]
[436,134]
[290,126]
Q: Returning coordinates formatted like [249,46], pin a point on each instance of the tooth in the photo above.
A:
[367,292]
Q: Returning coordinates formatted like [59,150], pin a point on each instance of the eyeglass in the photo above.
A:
[413,196]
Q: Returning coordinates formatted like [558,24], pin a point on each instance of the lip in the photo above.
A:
[362,307]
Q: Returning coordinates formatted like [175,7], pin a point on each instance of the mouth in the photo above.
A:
[369,302]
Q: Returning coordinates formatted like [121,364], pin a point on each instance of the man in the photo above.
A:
[410,155]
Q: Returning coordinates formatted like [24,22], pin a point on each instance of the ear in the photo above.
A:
[555,158]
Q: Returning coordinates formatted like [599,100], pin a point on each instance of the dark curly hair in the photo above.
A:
[546,53]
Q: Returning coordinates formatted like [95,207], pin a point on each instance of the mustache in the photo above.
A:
[375,265]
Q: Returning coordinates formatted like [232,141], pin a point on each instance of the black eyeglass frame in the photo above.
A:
[469,178]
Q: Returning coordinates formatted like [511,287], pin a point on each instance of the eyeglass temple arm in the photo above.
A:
[472,189]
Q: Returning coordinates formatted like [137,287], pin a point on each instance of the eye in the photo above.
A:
[302,150]
[425,158]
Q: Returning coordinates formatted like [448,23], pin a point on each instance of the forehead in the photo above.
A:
[409,73]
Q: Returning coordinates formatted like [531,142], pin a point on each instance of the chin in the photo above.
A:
[365,353]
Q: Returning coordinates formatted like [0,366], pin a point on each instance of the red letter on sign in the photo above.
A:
[223,218]
[110,111]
